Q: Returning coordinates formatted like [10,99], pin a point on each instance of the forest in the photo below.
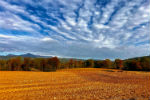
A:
[54,63]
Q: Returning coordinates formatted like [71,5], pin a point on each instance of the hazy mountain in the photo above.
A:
[23,55]
[136,58]
[30,55]
[34,56]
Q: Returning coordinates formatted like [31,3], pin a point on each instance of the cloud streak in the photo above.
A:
[77,28]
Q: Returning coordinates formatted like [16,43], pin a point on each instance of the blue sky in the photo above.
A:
[97,29]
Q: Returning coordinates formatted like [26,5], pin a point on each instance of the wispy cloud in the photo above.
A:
[76,28]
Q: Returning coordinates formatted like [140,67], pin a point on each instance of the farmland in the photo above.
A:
[75,84]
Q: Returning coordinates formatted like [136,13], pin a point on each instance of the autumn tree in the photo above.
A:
[36,63]
[98,64]
[26,64]
[3,64]
[43,64]
[132,65]
[107,63]
[71,63]
[15,63]
[80,64]
[75,63]
[53,63]
[145,63]
[89,63]
[118,63]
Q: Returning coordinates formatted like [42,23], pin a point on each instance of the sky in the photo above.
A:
[88,29]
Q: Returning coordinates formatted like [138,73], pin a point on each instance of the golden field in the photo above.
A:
[75,84]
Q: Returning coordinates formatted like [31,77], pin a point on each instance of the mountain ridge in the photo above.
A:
[23,55]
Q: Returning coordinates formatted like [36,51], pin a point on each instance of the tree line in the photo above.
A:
[53,63]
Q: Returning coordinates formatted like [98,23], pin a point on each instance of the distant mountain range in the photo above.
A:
[61,59]
[23,55]
[34,56]
[136,58]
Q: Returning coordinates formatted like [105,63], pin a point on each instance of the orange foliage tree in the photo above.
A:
[118,63]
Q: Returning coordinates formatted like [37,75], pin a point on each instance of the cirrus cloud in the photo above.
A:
[96,29]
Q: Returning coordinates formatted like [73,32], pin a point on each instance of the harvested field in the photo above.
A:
[75,84]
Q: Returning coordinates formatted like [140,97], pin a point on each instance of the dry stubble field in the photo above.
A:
[74,84]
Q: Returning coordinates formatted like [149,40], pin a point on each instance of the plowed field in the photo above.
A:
[75,84]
